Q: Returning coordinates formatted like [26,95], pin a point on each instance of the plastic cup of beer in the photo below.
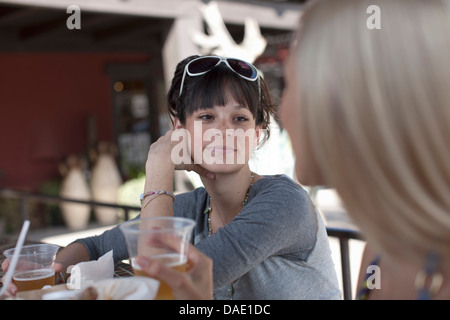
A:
[159,238]
[34,268]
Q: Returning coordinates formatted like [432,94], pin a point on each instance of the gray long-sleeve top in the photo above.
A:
[276,248]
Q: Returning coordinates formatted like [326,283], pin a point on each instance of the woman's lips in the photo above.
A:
[221,149]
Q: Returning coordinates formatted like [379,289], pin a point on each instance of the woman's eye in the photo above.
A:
[240,119]
[206,117]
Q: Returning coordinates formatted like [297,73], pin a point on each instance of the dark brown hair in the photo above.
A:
[215,88]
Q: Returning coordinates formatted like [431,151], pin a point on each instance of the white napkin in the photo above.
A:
[84,274]
[99,274]
[129,288]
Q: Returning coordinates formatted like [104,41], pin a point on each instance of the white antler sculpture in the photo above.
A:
[220,42]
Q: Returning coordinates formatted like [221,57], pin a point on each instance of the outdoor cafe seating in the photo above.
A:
[124,269]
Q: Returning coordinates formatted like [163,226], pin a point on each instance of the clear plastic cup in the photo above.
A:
[34,268]
[163,238]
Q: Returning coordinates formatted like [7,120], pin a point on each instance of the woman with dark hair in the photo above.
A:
[262,233]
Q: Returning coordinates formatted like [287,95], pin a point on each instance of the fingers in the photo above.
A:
[163,241]
[199,259]
[165,145]
[12,289]
[58,267]
[10,292]
[5,265]
[200,170]
[201,270]
[192,285]
[181,286]
[203,172]
[59,278]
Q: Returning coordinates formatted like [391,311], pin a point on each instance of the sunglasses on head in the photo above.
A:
[202,65]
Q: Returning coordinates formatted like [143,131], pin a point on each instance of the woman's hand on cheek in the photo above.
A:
[171,152]
[159,156]
[161,148]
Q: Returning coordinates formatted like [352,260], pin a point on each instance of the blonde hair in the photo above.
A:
[375,108]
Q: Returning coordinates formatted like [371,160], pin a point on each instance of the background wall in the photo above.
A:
[45,102]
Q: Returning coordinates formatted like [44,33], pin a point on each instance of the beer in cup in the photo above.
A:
[34,268]
[162,238]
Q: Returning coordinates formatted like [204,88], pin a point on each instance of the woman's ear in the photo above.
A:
[177,124]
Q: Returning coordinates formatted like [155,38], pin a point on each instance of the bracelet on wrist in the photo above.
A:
[155,193]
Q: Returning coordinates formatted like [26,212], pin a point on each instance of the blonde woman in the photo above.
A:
[368,112]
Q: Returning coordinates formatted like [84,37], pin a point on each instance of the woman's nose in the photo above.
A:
[223,125]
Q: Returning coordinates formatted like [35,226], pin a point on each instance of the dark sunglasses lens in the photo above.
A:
[202,65]
[243,68]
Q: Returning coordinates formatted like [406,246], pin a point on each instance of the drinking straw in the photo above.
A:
[15,257]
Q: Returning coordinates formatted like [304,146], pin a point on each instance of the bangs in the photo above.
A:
[218,87]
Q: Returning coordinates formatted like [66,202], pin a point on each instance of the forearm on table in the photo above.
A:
[71,255]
